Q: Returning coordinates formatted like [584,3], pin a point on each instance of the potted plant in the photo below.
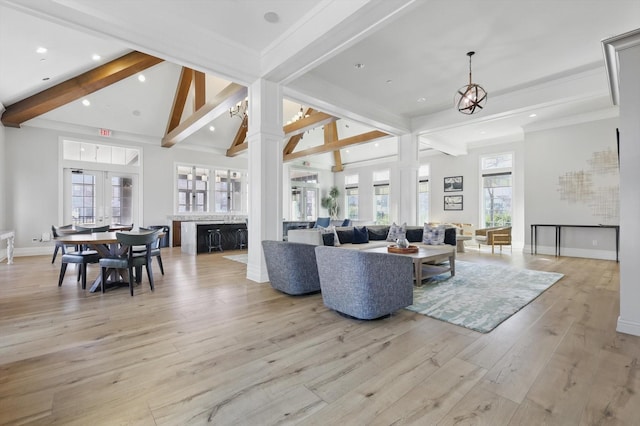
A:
[330,202]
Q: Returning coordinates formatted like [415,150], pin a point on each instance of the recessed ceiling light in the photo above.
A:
[212,128]
[271,17]
[483,132]
[533,115]
[96,57]
[41,50]
[358,66]
[141,78]
[346,150]
[376,144]
[86,102]
[389,81]
[45,78]
[421,99]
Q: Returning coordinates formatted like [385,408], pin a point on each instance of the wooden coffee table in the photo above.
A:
[426,259]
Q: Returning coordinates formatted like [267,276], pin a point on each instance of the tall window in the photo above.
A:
[228,192]
[304,194]
[497,189]
[121,199]
[193,189]
[381,197]
[423,194]
[351,196]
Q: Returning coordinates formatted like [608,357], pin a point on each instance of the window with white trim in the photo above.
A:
[351,196]
[381,197]
[497,189]
[423,194]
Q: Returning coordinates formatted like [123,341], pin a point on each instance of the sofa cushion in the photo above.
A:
[414,234]
[345,236]
[360,235]
[322,222]
[377,234]
[450,236]
[396,231]
[433,235]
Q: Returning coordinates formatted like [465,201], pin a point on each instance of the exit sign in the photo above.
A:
[105,133]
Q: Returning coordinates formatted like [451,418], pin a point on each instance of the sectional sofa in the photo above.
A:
[377,236]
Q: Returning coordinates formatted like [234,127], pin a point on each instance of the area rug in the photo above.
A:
[242,258]
[480,297]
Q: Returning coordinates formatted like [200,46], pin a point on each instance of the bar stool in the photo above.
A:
[241,238]
[214,239]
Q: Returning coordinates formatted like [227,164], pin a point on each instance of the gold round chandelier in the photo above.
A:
[472,97]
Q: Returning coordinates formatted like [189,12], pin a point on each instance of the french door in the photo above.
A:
[100,197]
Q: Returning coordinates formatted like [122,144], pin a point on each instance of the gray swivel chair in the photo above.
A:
[364,285]
[291,267]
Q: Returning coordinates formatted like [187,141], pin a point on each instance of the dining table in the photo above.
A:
[106,244]
[74,230]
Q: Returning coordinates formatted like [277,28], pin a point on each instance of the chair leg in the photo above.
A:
[131,279]
[79,273]
[63,269]
[55,253]
[150,275]
[160,263]
[103,278]
[84,276]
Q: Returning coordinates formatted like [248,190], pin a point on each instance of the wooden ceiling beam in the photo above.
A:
[314,120]
[229,96]
[201,95]
[336,145]
[295,139]
[331,135]
[180,98]
[238,140]
[77,87]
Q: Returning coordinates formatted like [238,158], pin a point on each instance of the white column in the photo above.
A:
[265,138]
[629,62]
[408,164]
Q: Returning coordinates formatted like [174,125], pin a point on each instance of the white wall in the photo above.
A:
[563,152]
[33,188]
[442,166]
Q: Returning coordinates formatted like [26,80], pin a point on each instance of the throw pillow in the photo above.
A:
[328,238]
[450,236]
[345,236]
[396,231]
[322,222]
[433,235]
[346,222]
[360,235]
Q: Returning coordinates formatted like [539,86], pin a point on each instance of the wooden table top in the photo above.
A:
[98,237]
[112,228]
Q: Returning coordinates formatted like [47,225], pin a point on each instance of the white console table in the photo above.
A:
[9,235]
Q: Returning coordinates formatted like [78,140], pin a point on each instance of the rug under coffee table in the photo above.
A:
[427,261]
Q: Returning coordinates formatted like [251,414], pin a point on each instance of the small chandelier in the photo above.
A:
[470,97]
[240,109]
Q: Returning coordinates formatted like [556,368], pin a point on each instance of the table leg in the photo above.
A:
[417,268]
[452,265]
[10,250]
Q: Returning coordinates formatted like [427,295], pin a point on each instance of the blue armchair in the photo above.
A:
[291,267]
[364,285]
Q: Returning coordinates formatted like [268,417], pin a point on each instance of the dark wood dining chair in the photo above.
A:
[155,250]
[62,247]
[82,257]
[131,259]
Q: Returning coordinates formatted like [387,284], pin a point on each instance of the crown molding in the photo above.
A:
[610,48]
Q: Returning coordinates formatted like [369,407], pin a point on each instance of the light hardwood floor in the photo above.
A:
[210,347]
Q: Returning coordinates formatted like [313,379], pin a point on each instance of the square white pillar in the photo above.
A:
[265,139]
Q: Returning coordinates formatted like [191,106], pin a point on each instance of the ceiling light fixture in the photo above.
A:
[212,128]
[471,97]
[533,115]
[141,78]
[86,102]
[96,57]
[41,50]
[271,17]
[240,110]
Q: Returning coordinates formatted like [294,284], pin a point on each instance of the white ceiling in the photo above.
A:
[542,56]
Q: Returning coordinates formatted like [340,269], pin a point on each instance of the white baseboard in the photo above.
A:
[33,251]
[628,327]
[255,274]
[573,252]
